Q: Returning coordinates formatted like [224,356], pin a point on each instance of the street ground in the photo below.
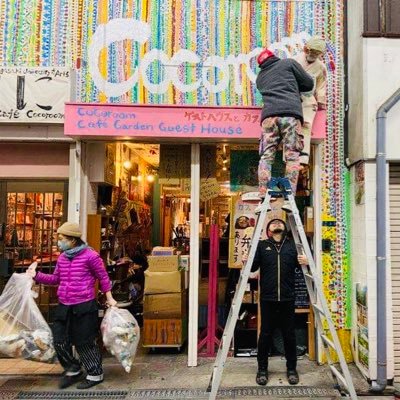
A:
[166,376]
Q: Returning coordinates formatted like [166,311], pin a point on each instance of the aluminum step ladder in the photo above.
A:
[279,187]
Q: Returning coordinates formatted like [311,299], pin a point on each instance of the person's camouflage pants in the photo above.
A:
[275,130]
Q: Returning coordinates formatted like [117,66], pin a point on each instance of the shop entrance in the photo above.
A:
[140,221]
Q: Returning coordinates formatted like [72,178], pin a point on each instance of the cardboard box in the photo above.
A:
[163,263]
[163,306]
[163,282]
[203,290]
[164,332]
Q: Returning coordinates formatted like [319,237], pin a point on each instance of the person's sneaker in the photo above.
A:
[293,377]
[262,377]
[68,380]
[86,384]
[287,207]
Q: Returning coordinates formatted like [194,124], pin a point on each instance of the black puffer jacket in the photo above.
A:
[277,266]
[280,82]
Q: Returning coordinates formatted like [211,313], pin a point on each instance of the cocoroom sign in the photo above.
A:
[138,31]
[33,94]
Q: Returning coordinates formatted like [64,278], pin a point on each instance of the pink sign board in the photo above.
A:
[159,121]
[109,120]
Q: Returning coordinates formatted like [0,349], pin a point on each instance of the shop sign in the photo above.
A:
[33,94]
[209,189]
[183,122]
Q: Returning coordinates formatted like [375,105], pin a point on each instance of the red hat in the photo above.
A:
[264,55]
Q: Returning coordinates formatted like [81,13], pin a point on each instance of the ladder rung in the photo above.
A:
[338,375]
[328,341]
[319,309]
[309,276]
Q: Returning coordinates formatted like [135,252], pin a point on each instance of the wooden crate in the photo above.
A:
[164,332]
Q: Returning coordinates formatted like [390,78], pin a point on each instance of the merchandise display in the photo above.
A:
[121,335]
[24,333]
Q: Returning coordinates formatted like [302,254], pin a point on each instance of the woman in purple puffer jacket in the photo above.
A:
[76,317]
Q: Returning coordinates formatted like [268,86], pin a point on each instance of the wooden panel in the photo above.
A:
[164,332]
[94,231]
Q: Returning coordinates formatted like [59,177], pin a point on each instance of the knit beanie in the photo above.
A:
[316,43]
[70,229]
[264,55]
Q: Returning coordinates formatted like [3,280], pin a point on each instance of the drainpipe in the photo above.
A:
[381,189]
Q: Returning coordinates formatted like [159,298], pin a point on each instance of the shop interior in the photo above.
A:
[141,228]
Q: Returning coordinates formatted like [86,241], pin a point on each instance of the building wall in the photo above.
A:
[34,160]
[373,78]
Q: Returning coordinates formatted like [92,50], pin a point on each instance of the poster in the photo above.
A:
[243,225]
[362,325]
[33,94]
[359,183]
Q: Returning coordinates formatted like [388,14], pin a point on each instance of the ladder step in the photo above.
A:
[339,376]
[328,341]
[318,308]
[309,276]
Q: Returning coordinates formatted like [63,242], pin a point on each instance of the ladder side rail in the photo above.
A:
[321,297]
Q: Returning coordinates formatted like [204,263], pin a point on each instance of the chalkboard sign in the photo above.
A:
[301,293]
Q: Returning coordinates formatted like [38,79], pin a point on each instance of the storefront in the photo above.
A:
[155,183]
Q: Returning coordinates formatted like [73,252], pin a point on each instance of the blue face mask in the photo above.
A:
[64,245]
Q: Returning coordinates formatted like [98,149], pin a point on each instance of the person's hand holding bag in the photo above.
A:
[31,271]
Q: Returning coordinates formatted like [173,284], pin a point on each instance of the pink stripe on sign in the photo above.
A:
[111,120]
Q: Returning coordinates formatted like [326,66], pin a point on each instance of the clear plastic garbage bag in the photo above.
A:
[24,333]
[121,335]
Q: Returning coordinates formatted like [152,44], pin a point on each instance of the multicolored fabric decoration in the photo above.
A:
[195,52]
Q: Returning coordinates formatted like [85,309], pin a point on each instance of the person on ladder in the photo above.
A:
[274,263]
[280,82]
[311,60]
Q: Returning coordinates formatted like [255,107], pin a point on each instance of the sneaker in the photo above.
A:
[86,384]
[287,207]
[68,380]
[293,377]
[262,377]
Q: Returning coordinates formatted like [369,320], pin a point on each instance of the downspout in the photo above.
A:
[381,190]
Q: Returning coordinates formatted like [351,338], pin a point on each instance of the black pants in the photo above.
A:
[274,315]
[78,325]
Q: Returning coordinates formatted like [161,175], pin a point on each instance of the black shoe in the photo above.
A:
[262,377]
[68,380]
[293,377]
[86,384]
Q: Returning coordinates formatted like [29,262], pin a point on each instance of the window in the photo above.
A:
[381,18]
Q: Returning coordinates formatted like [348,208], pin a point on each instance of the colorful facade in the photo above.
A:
[193,53]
